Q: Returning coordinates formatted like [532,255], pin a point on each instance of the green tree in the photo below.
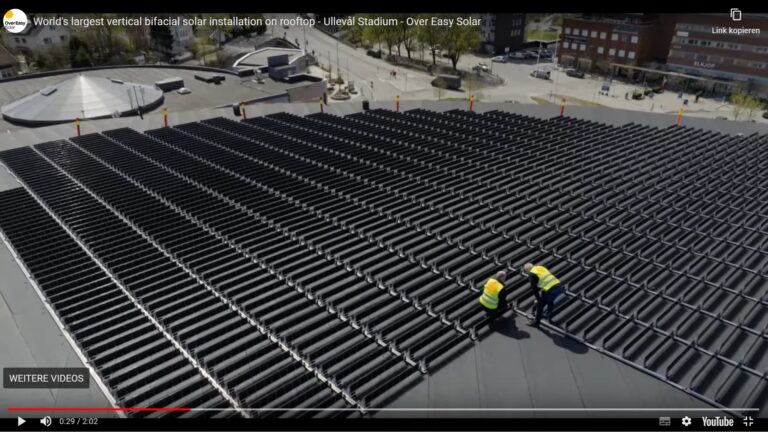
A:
[52,58]
[374,35]
[407,34]
[105,41]
[354,33]
[431,35]
[746,105]
[162,39]
[460,40]
[82,58]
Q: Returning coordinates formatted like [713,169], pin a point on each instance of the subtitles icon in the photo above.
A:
[665,421]
[735,14]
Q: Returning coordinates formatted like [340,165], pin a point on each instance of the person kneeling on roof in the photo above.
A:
[546,288]
[494,303]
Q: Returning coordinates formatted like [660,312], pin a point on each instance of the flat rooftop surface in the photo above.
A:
[204,95]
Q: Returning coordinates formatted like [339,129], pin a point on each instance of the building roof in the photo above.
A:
[259,57]
[417,249]
[203,95]
[84,97]
[6,58]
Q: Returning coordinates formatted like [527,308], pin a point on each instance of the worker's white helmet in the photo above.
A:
[527,267]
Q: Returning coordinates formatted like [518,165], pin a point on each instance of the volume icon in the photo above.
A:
[45,421]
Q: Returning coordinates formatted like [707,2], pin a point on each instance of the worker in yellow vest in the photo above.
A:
[494,302]
[546,288]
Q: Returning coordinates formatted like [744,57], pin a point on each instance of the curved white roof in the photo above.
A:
[83,97]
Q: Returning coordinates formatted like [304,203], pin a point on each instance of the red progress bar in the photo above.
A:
[98,409]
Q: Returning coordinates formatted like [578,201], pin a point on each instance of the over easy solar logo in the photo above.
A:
[15,20]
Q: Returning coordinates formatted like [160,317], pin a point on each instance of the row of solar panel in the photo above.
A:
[284,310]
[141,366]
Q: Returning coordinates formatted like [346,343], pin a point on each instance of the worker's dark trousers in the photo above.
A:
[547,300]
[494,314]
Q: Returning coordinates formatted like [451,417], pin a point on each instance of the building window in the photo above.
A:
[631,54]
[760,49]
[567,30]
[622,53]
[17,40]
[600,50]
[62,38]
[612,52]
[582,47]
[593,34]
[585,32]
[634,39]
[614,36]
[566,45]
[603,35]
[24,40]
[623,38]
[47,41]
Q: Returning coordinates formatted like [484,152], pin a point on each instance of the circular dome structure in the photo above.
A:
[83,97]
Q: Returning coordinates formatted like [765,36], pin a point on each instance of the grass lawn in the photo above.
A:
[534,34]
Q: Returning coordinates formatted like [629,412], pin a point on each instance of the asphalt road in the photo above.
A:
[372,78]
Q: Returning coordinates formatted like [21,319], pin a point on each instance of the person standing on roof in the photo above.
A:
[546,288]
[494,302]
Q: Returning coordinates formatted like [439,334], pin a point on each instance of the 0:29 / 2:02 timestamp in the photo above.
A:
[78,421]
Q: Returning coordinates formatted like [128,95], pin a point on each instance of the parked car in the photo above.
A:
[540,73]
[374,53]
[531,54]
[183,91]
[481,67]
[765,115]
[518,55]
[574,73]
[546,54]
[499,59]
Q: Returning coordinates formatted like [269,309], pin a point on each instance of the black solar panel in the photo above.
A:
[327,261]
[139,365]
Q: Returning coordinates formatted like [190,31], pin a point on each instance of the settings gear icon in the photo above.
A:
[686,421]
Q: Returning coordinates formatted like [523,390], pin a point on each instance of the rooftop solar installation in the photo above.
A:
[324,261]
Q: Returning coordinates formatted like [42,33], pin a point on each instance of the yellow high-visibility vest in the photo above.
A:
[490,297]
[546,279]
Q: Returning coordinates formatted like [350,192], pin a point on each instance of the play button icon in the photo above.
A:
[21,421]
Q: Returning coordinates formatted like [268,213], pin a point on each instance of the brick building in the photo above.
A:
[702,45]
[596,41]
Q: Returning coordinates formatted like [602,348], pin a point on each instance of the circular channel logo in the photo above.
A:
[15,21]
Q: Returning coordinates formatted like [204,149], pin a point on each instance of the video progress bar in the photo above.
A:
[96,409]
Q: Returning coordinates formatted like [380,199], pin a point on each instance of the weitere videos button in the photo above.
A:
[46,378]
